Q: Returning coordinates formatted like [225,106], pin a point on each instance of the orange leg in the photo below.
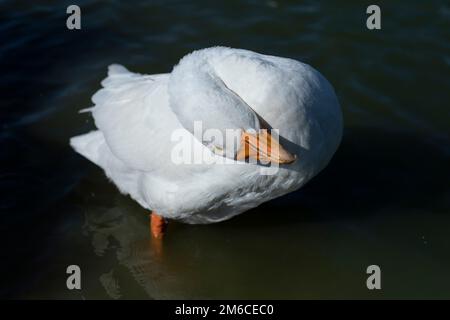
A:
[158,225]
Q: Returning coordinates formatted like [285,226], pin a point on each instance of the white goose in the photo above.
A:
[137,115]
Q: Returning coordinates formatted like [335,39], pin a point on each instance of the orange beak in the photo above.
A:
[263,147]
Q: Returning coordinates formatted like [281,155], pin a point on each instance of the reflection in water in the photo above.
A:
[117,230]
[110,284]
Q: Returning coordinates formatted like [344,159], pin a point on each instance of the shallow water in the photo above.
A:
[384,199]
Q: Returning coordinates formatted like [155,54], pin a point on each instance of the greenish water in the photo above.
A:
[384,199]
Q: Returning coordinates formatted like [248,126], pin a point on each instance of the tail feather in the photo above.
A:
[89,145]
[117,69]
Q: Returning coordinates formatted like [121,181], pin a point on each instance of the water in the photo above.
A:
[384,199]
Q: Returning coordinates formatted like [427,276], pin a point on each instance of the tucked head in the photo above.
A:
[229,126]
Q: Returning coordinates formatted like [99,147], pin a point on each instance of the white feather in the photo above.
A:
[136,115]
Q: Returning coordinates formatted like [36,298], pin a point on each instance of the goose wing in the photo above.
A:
[132,112]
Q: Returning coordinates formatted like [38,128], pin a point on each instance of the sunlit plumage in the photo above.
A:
[224,88]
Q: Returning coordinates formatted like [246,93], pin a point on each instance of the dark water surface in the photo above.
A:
[384,199]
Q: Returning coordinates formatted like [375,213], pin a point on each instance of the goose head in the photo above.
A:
[218,117]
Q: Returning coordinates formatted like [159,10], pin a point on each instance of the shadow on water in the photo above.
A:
[373,168]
